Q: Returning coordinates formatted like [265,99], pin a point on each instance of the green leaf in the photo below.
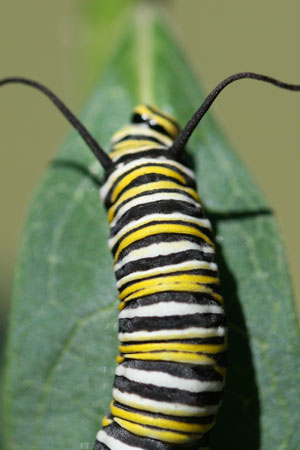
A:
[62,338]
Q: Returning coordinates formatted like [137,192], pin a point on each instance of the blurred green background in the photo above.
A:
[53,43]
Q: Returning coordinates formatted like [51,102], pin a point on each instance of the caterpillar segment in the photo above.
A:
[170,375]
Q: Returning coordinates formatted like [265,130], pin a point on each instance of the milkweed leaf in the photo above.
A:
[63,326]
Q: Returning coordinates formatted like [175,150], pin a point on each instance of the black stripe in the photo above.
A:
[200,298]
[141,265]
[188,371]
[163,206]
[221,358]
[169,395]
[100,446]
[206,320]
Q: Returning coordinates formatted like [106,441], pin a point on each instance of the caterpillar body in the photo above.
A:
[172,333]
[169,381]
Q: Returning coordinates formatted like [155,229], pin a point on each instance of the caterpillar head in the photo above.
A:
[150,134]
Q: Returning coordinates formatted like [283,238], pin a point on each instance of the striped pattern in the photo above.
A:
[169,381]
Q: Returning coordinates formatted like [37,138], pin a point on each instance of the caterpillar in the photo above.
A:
[171,369]
[170,376]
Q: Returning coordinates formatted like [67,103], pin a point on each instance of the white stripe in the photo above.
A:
[163,309]
[112,443]
[171,268]
[125,167]
[152,217]
[161,249]
[187,333]
[176,409]
[153,198]
[162,379]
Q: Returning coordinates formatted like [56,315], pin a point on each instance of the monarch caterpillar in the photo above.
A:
[169,380]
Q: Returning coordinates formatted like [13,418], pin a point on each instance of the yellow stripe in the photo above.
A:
[165,436]
[174,280]
[187,287]
[152,230]
[182,357]
[121,306]
[144,171]
[152,347]
[159,422]
[176,335]
[131,193]
[168,116]
[134,143]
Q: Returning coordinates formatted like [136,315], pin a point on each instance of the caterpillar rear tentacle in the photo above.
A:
[170,378]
